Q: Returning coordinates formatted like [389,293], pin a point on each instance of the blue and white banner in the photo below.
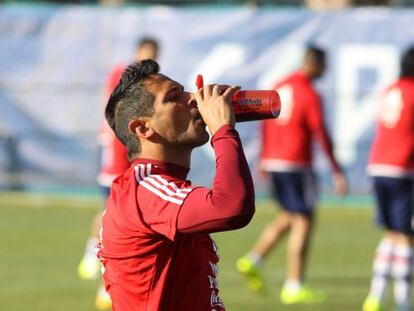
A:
[54,61]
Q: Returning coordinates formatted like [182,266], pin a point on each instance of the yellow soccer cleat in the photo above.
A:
[103,300]
[304,295]
[89,268]
[372,304]
[252,274]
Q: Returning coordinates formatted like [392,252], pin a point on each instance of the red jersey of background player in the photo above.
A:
[287,141]
[392,152]
[114,157]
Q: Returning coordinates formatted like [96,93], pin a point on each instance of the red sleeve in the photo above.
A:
[318,128]
[229,204]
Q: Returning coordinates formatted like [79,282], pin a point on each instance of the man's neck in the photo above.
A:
[174,155]
[306,72]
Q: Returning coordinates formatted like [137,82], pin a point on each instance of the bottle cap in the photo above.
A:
[199,81]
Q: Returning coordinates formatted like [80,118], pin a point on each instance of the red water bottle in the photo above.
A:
[256,105]
[252,105]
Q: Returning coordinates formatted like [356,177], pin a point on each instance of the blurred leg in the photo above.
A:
[96,226]
[294,290]
[103,300]
[272,234]
[89,265]
[401,271]
[401,222]
[249,265]
[299,240]
[381,269]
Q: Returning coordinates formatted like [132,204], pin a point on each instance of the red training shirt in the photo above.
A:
[287,140]
[392,151]
[114,156]
[155,247]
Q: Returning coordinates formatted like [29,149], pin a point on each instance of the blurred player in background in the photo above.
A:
[391,166]
[286,157]
[114,161]
[155,244]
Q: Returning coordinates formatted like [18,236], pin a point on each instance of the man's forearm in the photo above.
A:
[230,203]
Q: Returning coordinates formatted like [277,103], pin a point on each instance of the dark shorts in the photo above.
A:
[296,192]
[395,204]
[105,193]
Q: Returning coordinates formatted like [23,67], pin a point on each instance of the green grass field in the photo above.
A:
[42,239]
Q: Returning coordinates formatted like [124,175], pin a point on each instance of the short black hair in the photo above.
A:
[131,100]
[407,63]
[316,53]
[147,40]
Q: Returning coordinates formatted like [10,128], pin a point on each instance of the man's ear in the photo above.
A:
[140,127]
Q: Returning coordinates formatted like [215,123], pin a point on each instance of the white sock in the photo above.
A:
[90,248]
[292,285]
[381,269]
[255,258]
[103,293]
[401,272]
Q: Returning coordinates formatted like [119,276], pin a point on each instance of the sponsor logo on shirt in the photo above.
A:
[215,247]
[214,268]
[215,300]
[213,282]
